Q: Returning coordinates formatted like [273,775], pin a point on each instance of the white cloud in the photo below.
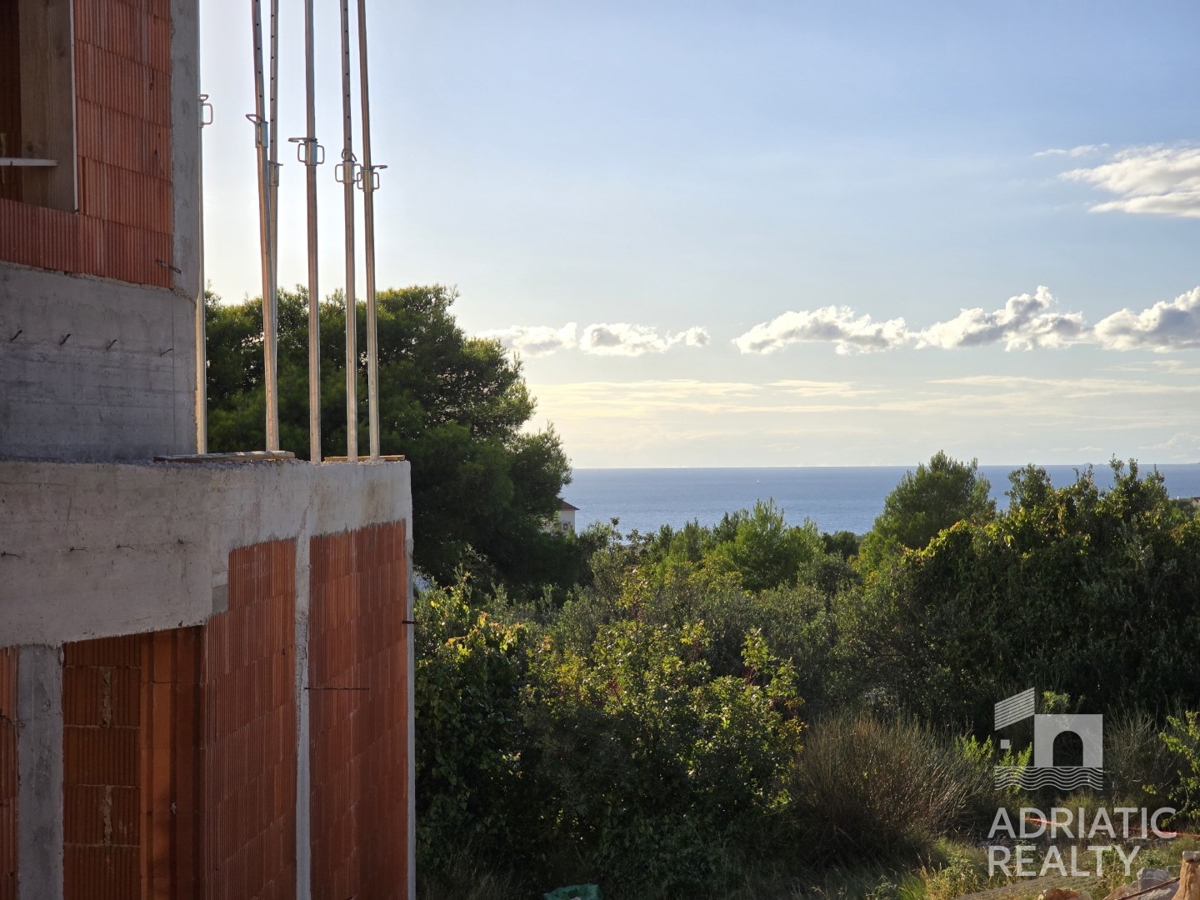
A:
[837,325]
[1180,446]
[1165,326]
[534,340]
[1153,180]
[601,339]
[624,339]
[1074,152]
[1023,323]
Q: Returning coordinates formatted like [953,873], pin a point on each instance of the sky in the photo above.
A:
[769,233]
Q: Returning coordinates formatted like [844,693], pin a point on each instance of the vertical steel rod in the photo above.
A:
[273,207]
[201,348]
[314,307]
[347,176]
[368,187]
[262,139]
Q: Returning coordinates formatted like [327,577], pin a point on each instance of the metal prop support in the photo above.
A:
[369,181]
[311,154]
[346,175]
[266,192]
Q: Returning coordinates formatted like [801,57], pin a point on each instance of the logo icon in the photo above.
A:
[1046,730]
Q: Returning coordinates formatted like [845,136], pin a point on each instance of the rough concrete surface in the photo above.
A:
[100,549]
[94,369]
[39,774]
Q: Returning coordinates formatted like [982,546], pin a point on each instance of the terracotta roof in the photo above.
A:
[564,505]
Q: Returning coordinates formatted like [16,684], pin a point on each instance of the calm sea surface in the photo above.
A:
[836,498]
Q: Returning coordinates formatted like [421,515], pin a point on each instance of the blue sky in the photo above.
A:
[746,233]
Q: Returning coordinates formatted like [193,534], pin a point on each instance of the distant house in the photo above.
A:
[564,521]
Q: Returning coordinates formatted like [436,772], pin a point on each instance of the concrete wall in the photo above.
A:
[8,774]
[39,774]
[121,386]
[98,550]
[185,147]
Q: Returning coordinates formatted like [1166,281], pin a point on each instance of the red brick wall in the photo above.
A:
[170,773]
[123,118]
[8,773]
[130,766]
[249,731]
[101,696]
[359,738]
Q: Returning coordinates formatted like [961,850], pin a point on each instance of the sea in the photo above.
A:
[837,498]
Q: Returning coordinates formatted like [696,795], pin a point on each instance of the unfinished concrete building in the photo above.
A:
[205,680]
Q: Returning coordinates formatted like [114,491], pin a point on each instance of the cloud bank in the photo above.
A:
[1164,327]
[837,325]
[1151,180]
[534,340]
[1024,322]
[600,339]
[1074,152]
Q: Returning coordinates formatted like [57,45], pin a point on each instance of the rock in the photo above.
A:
[1058,894]
[1148,878]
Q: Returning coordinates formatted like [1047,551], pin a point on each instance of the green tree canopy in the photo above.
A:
[766,552]
[926,502]
[1088,592]
[455,406]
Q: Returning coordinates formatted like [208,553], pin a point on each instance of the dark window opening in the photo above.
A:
[37,103]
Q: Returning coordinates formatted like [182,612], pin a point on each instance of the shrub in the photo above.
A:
[1182,738]
[1138,765]
[872,787]
[648,762]
[470,772]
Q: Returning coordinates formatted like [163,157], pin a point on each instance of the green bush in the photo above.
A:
[471,775]
[1182,738]
[648,761]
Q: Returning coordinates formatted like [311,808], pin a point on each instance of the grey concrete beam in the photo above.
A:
[95,550]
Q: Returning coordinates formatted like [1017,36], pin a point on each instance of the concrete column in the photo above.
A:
[39,774]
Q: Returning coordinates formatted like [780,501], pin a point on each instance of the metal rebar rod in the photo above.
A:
[368,187]
[262,127]
[347,169]
[314,308]
[201,348]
